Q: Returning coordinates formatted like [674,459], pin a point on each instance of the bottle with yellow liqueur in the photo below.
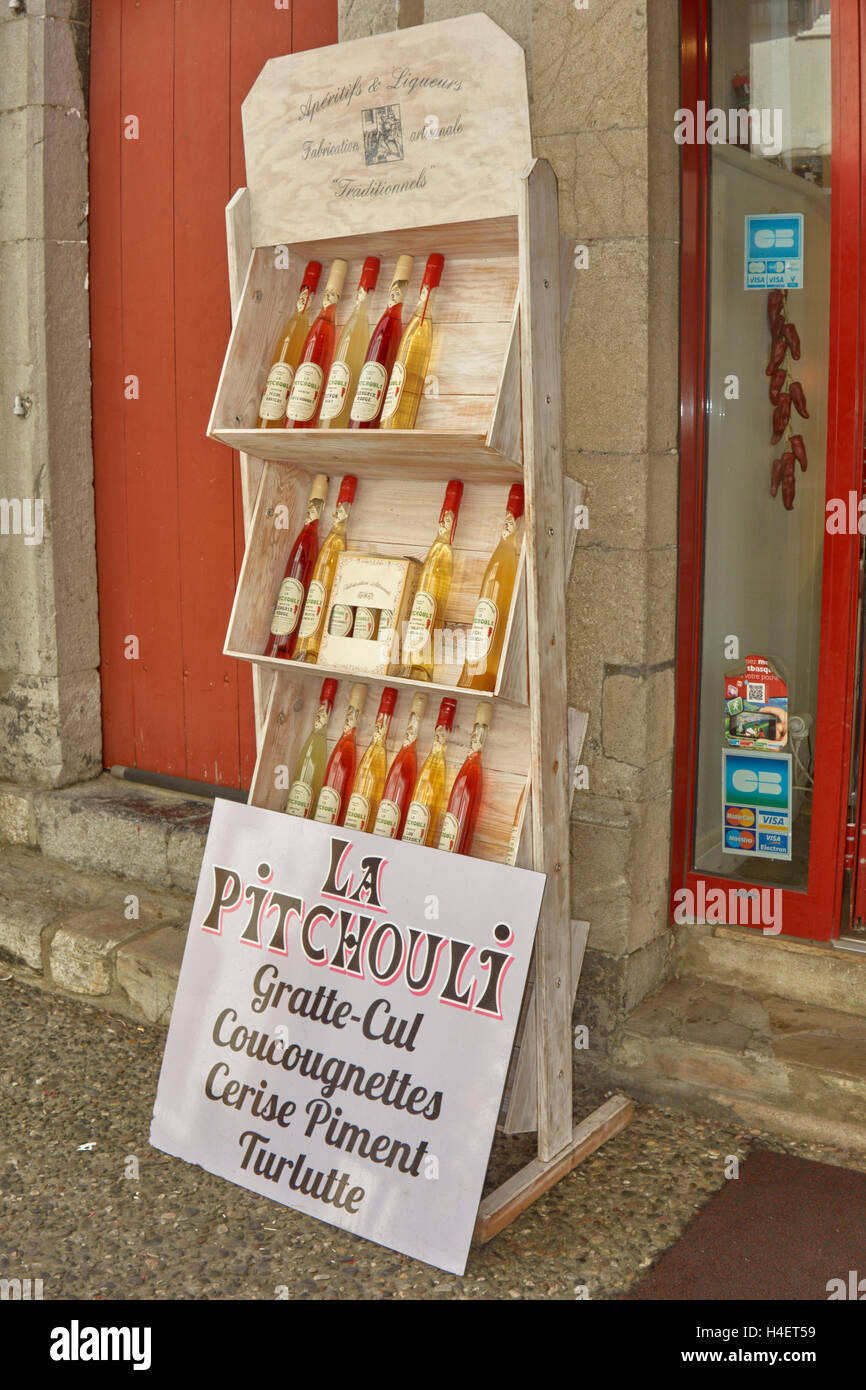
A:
[413,356]
[401,778]
[484,643]
[313,620]
[349,355]
[310,768]
[290,345]
[366,410]
[428,794]
[305,397]
[427,618]
[370,777]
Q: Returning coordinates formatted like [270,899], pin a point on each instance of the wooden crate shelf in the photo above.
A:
[293,704]
[468,412]
[388,518]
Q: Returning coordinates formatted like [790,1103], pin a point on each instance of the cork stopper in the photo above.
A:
[403,268]
[358,696]
[515,500]
[319,489]
[445,717]
[419,704]
[336,277]
[433,270]
[388,700]
[311,276]
[369,273]
[482,714]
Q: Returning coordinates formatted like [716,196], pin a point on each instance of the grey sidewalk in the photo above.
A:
[121,1220]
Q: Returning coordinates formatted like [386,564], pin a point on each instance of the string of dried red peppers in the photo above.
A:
[784,393]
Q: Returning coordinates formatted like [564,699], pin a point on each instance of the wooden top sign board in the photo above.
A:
[413,128]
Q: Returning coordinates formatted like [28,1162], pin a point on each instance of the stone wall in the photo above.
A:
[604,85]
[49,648]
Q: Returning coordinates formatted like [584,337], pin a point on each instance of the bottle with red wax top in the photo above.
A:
[391,815]
[296,580]
[458,825]
[333,799]
[305,397]
[369,397]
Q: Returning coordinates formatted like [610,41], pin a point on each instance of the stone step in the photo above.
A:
[776,1063]
[825,976]
[90,936]
[113,827]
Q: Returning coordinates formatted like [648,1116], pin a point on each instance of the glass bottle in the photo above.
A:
[313,620]
[299,568]
[275,397]
[427,617]
[484,643]
[370,777]
[402,775]
[305,397]
[379,358]
[340,772]
[458,825]
[310,767]
[413,356]
[428,794]
[349,355]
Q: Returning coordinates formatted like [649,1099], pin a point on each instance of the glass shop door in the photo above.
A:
[771,451]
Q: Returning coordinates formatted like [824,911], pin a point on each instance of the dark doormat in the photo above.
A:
[782,1230]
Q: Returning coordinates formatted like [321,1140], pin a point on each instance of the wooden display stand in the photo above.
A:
[494,418]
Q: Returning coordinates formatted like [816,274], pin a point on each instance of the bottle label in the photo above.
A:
[336,390]
[305,392]
[447,522]
[328,806]
[420,622]
[480,638]
[396,292]
[314,509]
[371,384]
[417,824]
[513,844]
[387,819]
[340,621]
[365,624]
[509,526]
[479,734]
[303,299]
[411,734]
[288,606]
[352,716]
[450,831]
[300,799]
[357,812]
[395,390]
[276,392]
[312,609]
[323,714]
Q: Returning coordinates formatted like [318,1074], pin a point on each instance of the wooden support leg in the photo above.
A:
[519,1192]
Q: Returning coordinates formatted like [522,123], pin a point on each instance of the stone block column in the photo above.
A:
[50,731]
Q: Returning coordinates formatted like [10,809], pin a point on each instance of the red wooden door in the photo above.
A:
[166,154]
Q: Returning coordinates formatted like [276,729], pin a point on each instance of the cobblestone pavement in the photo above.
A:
[83,1222]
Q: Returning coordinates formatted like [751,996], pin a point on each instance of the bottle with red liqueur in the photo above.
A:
[305,397]
[296,580]
[333,799]
[458,825]
[402,774]
[369,398]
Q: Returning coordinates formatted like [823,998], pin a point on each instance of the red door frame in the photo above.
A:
[816,912]
[169,520]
